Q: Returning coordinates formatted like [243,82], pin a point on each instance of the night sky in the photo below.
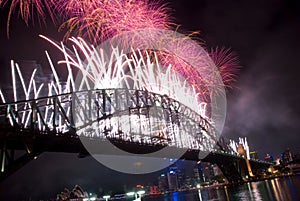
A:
[263,105]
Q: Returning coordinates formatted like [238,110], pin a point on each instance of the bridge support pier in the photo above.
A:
[234,168]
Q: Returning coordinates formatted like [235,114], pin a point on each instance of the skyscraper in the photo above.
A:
[198,173]
[162,183]
[172,180]
[287,156]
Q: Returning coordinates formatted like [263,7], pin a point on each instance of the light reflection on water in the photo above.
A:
[280,189]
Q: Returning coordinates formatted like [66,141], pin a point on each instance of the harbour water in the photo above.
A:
[279,189]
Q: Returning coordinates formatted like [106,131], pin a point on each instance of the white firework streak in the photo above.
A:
[243,141]
[143,72]
[137,70]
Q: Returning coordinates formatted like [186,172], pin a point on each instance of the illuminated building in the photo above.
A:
[217,170]
[187,182]
[181,179]
[269,158]
[162,183]
[208,172]
[287,156]
[253,155]
[172,180]
[153,190]
[277,161]
[198,173]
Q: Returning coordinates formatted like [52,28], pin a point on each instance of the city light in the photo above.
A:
[130,193]
[141,192]
[137,194]
[89,199]
[106,197]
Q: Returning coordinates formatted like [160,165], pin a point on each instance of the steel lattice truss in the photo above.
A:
[129,115]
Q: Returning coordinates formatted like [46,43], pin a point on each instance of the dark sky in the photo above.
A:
[264,105]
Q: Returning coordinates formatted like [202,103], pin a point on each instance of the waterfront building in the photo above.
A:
[198,173]
[162,183]
[287,156]
[208,172]
[172,180]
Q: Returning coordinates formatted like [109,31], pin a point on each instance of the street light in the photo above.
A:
[130,193]
[89,199]
[106,197]
[137,195]
[140,193]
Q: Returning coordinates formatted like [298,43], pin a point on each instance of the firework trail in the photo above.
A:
[139,70]
[28,8]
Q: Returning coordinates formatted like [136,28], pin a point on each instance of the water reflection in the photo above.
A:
[284,189]
[275,189]
[226,192]
[255,191]
[199,194]
[281,189]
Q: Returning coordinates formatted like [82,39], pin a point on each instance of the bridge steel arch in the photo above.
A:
[119,116]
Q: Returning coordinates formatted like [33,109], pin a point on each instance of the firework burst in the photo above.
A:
[99,20]
[227,63]
[28,8]
[102,19]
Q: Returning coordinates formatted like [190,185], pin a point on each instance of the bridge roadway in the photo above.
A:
[33,144]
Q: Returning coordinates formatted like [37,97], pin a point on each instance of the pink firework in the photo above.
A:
[227,64]
[95,19]
[28,8]
[199,73]
[101,19]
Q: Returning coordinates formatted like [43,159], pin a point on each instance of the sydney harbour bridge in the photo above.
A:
[135,121]
[127,106]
